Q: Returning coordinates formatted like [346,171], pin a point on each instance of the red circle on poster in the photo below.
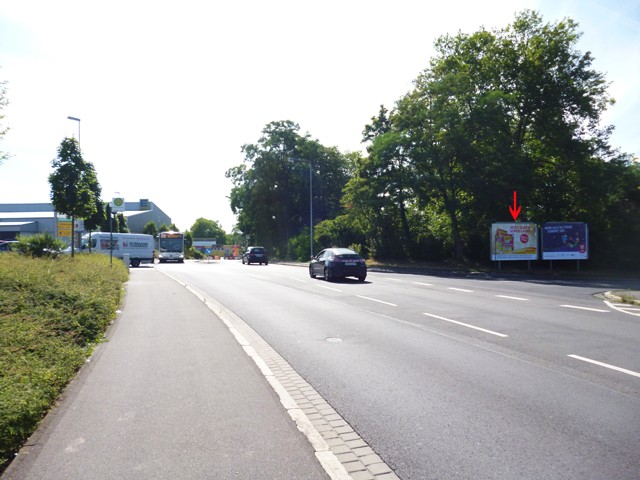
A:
[524,238]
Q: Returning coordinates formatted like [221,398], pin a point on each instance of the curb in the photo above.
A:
[616,298]
[343,454]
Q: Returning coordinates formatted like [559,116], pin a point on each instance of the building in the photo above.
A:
[31,218]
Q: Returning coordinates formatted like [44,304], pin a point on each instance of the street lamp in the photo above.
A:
[76,120]
[310,211]
[310,207]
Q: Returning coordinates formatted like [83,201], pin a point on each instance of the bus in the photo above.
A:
[171,247]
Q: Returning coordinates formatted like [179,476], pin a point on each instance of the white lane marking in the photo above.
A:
[513,298]
[467,325]
[606,365]
[376,300]
[586,308]
[460,290]
[628,309]
[394,279]
[297,280]
[329,288]
[425,284]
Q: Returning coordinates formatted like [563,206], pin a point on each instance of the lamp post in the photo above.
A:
[310,206]
[310,211]
[75,119]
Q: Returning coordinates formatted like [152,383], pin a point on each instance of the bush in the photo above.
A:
[51,314]
[40,245]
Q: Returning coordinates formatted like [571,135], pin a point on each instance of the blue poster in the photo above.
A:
[565,241]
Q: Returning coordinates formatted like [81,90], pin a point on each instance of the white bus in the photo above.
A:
[171,247]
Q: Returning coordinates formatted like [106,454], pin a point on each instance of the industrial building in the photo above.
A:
[31,218]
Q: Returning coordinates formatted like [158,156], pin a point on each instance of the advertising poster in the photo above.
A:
[565,241]
[514,241]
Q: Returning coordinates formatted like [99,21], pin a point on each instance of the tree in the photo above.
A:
[151,229]
[73,184]
[210,229]
[511,109]
[272,188]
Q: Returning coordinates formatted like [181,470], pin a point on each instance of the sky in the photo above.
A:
[168,92]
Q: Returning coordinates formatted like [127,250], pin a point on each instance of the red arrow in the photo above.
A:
[515,210]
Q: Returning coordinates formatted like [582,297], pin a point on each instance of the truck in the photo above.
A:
[139,246]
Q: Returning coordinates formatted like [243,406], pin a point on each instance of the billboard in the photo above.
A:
[514,241]
[565,241]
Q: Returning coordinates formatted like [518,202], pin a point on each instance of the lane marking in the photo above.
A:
[328,288]
[394,279]
[513,298]
[628,309]
[586,308]
[467,325]
[606,365]
[460,289]
[376,300]
[297,279]
[425,284]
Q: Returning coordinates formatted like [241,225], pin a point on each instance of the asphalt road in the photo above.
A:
[457,378]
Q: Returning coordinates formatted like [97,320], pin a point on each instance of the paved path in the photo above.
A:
[171,395]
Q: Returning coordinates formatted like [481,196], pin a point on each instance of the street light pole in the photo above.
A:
[75,119]
[310,211]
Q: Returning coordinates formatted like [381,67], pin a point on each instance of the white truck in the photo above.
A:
[138,245]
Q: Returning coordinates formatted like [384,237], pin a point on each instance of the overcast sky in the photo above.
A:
[168,92]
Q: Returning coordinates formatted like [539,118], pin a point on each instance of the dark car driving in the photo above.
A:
[255,255]
[333,263]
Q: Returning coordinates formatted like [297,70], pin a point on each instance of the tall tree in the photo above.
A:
[512,109]
[203,228]
[73,184]
[271,192]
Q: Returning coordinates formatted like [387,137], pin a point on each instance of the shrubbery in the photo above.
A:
[51,313]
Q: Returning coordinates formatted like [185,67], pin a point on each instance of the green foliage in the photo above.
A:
[188,240]
[51,312]
[40,245]
[298,248]
[516,109]
[151,229]
[211,229]
[74,185]
[271,190]
[194,253]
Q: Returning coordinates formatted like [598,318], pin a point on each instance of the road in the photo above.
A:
[455,377]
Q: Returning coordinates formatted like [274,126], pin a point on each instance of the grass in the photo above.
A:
[52,312]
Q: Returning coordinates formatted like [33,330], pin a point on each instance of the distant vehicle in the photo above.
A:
[171,247]
[138,245]
[8,245]
[255,255]
[333,263]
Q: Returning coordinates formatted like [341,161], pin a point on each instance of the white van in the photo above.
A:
[138,245]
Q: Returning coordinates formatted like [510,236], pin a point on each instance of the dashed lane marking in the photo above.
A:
[467,325]
[605,365]
[328,288]
[513,298]
[460,289]
[599,310]
[376,300]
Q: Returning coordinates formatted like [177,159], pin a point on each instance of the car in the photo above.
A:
[333,263]
[255,255]
[8,245]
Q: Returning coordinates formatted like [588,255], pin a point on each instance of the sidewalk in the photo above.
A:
[170,395]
